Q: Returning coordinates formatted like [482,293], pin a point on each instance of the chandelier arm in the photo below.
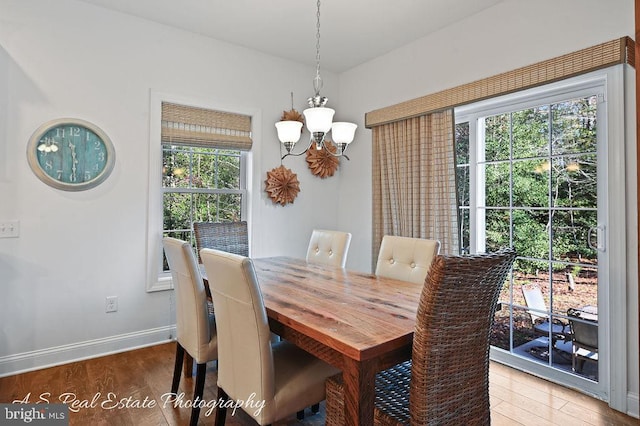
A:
[341,154]
[293,154]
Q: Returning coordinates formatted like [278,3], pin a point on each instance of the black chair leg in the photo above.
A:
[221,409]
[315,408]
[177,369]
[300,415]
[201,371]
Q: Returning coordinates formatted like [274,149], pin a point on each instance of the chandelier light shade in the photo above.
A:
[318,118]
[289,131]
[343,132]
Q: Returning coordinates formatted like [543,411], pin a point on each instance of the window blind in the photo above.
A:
[188,125]
[614,52]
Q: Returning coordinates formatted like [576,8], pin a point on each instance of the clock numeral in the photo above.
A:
[48,165]
[75,131]
[60,132]
[59,174]
[87,175]
[101,156]
[72,177]
[96,167]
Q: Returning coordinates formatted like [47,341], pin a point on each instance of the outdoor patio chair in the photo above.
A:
[584,338]
[539,316]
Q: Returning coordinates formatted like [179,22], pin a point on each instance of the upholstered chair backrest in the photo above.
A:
[192,317]
[244,339]
[328,247]
[406,259]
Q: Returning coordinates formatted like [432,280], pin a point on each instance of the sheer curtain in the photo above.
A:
[414,187]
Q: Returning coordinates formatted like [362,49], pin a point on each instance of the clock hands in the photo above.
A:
[74,161]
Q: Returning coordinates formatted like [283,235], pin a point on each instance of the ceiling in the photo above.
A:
[352,31]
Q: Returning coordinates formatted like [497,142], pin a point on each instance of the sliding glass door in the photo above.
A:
[528,172]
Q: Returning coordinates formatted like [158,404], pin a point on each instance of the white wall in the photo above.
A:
[509,35]
[70,59]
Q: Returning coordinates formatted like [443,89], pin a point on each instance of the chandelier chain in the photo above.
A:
[318,80]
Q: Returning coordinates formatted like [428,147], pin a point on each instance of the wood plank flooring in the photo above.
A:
[145,375]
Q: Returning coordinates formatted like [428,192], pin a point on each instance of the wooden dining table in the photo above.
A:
[357,322]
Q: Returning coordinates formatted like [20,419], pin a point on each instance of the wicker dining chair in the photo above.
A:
[446,382]
[232,237]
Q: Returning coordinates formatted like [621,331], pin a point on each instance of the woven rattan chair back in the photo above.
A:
[447,379]
[450,358]
[232,237]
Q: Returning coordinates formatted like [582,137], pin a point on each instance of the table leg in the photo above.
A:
[187,366]
[359,391]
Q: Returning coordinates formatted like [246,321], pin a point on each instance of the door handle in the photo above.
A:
[598,232]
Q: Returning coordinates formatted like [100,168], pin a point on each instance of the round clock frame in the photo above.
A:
[71,154]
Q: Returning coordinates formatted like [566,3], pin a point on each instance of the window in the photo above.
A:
[199,161]
[200,185]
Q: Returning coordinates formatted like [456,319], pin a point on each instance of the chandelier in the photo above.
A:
[318,118]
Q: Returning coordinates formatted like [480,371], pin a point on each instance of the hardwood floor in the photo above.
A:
[142,376]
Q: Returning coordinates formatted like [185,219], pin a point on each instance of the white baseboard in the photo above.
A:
[633,405]
[58,355]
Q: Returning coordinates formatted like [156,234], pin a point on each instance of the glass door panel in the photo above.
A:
[536,174]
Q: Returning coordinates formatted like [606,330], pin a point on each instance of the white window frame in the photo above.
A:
[156,278]
[612,383]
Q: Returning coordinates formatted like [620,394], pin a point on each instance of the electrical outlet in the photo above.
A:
[111,304]
[10,229]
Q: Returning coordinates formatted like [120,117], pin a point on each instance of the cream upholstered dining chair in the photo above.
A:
[250,366]
[446,382]
[195,325]
[328,247]
[405,258]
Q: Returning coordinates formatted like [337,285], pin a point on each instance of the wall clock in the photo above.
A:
[70,154]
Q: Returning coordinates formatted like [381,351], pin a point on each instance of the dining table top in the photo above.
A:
[359,314]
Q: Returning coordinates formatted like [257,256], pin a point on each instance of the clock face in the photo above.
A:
[70,154]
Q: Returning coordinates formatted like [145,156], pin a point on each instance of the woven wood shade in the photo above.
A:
[187,125]
[614,52]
